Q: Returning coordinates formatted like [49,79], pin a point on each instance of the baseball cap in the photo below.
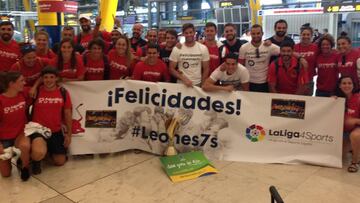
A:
[87,17]
[118,29]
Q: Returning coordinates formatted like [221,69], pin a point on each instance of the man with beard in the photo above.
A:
[87,34]
[9,49]
[151,37]
[280,28]
[286,75]
[136,40]
[192,59]
[115,35]
[68,32]
[255,56]
[232,44]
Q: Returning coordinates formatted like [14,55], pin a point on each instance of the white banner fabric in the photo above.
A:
[112,116]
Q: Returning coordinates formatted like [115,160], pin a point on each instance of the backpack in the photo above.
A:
[106,66]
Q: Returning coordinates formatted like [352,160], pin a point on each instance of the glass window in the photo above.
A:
[227,15]
[220,15]
[236,15]
[244,14]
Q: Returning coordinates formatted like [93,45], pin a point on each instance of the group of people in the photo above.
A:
[29,75]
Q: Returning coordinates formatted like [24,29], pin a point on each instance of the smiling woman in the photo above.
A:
[68,62]
[42,45]
[346,88]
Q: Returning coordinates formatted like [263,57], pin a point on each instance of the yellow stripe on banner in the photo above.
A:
[107,12]
[46,19]
[194,174]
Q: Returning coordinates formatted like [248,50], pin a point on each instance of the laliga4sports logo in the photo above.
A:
[255,133]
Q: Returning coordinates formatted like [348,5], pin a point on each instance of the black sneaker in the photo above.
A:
[25,174]
[36,167]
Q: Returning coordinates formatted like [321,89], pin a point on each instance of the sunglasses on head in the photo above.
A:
[29,47]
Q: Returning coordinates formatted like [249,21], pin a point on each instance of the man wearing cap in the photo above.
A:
[115,35]
[87,34]
[9,49]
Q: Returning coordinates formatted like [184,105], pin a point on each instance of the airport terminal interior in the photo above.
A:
[135,175]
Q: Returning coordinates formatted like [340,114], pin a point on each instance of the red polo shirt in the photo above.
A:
[348,68]
[309,52]
[9,54]
[118,66]
[327,72]
[288,79]
[31,74]
[68,71]
[154,73]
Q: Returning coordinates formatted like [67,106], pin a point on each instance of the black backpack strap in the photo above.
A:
[84,59]
[143,51]
[106,68]
[78,38]
[30,110]
[63,92]
[221,49]
[298,66]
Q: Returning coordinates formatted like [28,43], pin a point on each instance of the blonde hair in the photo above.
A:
[128,53]
[44,33]
[41,32]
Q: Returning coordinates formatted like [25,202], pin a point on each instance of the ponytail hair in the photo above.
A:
[344,35]
[6,78]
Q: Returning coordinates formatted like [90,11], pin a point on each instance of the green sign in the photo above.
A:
[187,166]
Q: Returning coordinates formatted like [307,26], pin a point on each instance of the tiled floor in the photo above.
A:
[131,177]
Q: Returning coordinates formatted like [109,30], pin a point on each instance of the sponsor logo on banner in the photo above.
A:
[100,119]
[288,108]
[298,137]
[255,133]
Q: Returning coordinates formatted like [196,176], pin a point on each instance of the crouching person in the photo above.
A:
[12,121]
[234,76]
[51,108]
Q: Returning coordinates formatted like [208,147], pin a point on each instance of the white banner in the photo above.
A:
[112,116]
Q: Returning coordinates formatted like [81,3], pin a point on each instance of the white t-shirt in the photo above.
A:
[189,60]
[240,76]
[258,66]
